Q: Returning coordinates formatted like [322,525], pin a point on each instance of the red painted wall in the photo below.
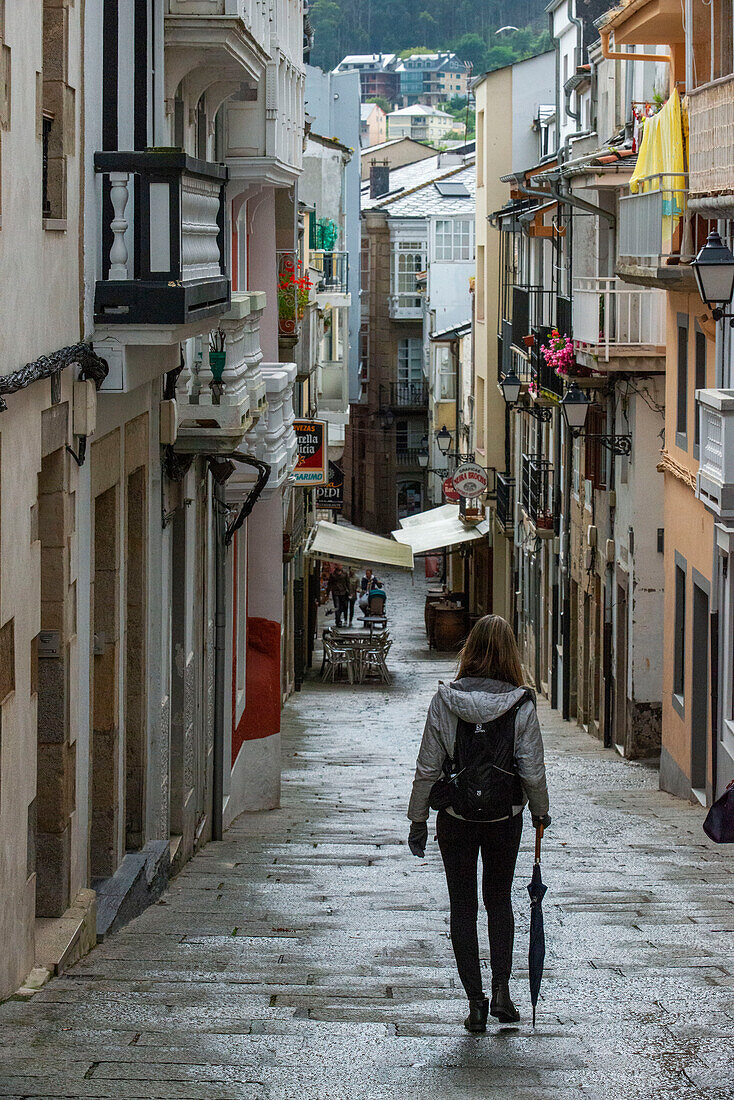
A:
[261,716]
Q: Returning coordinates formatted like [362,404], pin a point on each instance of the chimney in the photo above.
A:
[379,179]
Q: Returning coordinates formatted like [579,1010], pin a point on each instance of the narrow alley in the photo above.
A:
[307,956]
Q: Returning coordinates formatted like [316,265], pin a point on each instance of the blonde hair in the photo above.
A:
[491,651]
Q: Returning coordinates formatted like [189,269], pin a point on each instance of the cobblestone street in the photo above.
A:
[307,956]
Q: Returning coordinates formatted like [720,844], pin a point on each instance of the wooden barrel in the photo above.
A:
[450,627]
[431,599]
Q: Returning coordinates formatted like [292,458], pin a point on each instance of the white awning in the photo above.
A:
[444,511]
[352,546]
[438,529]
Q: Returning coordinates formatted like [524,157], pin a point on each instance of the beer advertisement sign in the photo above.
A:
[312,468]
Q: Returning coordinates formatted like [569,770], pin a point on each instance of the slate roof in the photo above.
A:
[413,194]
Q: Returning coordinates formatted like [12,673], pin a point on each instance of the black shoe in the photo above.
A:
[502,1007]
[476,1021]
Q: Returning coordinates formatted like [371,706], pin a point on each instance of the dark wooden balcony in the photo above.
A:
[163,234]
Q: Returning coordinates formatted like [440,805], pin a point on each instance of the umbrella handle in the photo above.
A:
[538,837]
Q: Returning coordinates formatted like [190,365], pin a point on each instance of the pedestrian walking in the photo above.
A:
[479,764]
[353,590]
[338,588]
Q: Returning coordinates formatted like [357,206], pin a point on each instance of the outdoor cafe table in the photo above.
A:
[373,621]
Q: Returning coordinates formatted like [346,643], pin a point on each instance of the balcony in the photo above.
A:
[408,395]
[272,439]
[505,505]
[545,380]
[163,228]
[333,391]
[331,273]
[532,308]
[617,327]
[213,415]
[253,13]
[406,306]
[715,479]
[659,235]
[536,495]
[408,456]
[711,162]
[294,293]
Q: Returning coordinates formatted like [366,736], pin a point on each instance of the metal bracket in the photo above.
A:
[543,413]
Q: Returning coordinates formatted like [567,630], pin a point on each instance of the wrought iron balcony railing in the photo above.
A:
[505,501]
[163,232]
[408,456]
[532,307]
[332,270]
[536,493]
[406,395]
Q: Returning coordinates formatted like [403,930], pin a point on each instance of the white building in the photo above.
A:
[423,123]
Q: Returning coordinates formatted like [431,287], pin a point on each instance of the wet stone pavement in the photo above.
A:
[306,956]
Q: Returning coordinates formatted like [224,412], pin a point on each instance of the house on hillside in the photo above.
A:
[423,123]
[372,125]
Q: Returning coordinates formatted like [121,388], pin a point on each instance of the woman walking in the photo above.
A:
[480,762]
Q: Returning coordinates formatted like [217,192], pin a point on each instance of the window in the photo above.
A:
[479,419]
[446,374]
[410,260]
[681,415]
[410,372]
[679,640]
[56,113]
[453,239]
[479,283]
[594,453]
[364,356]
[711,37]
[700,384]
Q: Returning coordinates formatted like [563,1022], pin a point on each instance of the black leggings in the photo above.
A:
[460,843]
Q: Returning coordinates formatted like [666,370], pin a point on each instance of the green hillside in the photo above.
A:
[466,26]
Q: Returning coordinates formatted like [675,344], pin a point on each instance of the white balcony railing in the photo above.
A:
[273,439]
[715,481]
[253,13]
[214,414]
[333,387]
[609,314]
[656,228]
[406,307]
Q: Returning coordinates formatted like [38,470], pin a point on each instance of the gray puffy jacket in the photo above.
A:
[479,700]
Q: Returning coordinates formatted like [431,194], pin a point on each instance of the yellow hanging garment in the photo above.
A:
[661,165]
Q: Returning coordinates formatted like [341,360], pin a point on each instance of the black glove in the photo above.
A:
[418,838]
[545,821]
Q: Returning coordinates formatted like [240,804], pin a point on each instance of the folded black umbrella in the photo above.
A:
[536,954]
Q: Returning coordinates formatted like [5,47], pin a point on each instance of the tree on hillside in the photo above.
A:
[473,48]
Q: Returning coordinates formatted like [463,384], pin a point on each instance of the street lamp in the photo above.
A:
[443,438]
[423,457]
[511,386]
[575,406]
[386,418]
[714,271]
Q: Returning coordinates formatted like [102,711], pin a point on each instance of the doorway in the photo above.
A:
[135,663]
[105,735]
[620,671]
[700,692]
[56,755]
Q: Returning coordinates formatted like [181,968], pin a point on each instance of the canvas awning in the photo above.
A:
[352,546]
[439,529]
[444,511]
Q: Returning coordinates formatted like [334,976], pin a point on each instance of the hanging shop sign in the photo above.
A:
[332,494]
[312,466]
[470,480]
[449,491]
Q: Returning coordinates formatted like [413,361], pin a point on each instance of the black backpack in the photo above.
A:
[481,783]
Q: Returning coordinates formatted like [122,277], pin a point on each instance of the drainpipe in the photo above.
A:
[608,603]
[617,55]
[223,539]
[575,115]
